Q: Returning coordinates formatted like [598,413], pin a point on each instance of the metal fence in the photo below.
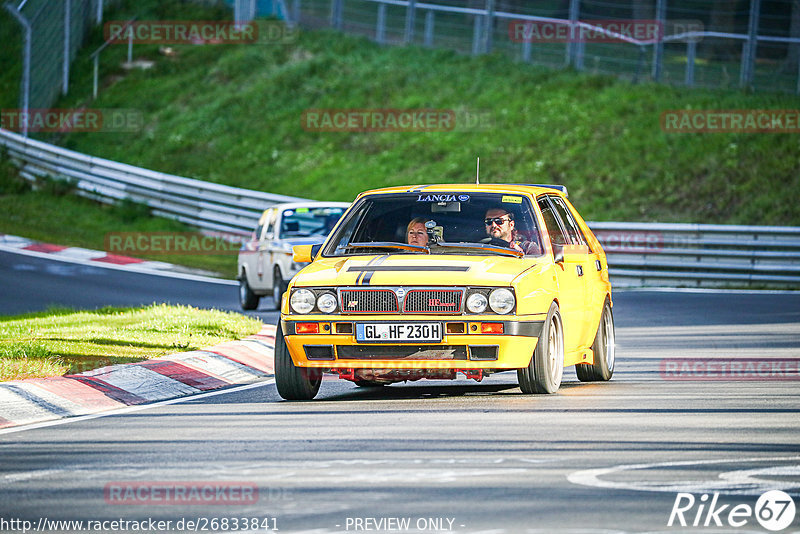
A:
[52,34]
[736,43]
[639,254]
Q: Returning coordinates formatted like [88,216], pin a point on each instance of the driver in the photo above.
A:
[500,225]
[416,233]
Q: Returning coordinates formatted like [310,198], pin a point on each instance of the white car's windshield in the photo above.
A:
[307,222]
[439,223]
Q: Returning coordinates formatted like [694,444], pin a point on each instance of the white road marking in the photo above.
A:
[731,483]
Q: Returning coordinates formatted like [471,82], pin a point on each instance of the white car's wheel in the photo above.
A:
[278,289]
[247,299]
[544,372]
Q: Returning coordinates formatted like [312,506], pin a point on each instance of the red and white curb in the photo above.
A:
[35,400]
[99,258]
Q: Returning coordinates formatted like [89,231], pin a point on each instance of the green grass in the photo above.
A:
[64,341]
[51,214]
[231,114]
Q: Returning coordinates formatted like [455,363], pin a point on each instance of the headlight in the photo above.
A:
[302,301]
[501,300]
[326,302]
[477,302]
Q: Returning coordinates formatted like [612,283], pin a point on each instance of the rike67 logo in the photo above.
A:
[774,510]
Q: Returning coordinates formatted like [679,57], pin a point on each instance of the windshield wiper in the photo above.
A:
[389,245]
[483,246]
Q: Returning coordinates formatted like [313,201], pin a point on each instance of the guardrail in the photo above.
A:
[639,254]
[202,204]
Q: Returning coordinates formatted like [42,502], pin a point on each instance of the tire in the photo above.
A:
[247,299]
[278,289]
[604,351]
[294,383]
[544,372]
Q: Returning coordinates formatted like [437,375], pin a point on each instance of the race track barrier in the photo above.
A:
[639,254]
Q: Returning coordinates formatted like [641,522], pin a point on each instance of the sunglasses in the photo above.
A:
[499,221]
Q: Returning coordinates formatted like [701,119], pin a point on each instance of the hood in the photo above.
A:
[412,270]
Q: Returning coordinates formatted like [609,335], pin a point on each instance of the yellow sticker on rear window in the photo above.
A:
[512,199]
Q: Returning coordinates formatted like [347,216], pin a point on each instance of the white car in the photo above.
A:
[265,263]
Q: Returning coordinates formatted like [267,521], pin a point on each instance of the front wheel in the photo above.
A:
[544,372]
[294,383]
[247,299]
[603,348]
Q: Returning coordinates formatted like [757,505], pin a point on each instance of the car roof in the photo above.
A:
[307,204]
[533,189]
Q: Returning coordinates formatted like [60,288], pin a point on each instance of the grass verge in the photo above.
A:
[52,214]
[64,341]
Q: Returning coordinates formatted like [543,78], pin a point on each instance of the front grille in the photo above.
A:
[401,352]
[433,301]
[368,301]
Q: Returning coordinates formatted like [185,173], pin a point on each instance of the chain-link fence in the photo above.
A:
[52,33]
[712,43]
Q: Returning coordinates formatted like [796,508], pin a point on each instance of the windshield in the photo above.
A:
[307,222]
[438,223]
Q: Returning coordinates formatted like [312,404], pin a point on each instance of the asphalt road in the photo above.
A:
[444,456]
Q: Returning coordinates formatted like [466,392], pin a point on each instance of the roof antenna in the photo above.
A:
[478,173]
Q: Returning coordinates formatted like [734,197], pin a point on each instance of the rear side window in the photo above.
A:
[557,236]
[574,232]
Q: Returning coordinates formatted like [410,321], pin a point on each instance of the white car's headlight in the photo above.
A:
[477,302]
[501,300]
[326,303]
[302,301]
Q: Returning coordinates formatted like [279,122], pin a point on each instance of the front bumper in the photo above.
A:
[464,344]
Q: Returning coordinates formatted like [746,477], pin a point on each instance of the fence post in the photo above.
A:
[411,15]
[574,15]
[26,64]
[96,73]
[476,35]
[488,27]
[429,28]
[380,27]
[691,53]
[296,12]
[65,64]
[98,16]
[658,48]
[749,49]
[130,47]
[526,50]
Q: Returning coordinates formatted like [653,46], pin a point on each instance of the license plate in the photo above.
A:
[399,332]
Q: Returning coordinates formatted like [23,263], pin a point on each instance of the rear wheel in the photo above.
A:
[247,299]
[278,289]
[603,348]
[544,372]
[294,383]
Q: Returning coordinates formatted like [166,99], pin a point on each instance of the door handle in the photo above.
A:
[579,268]
[598,265]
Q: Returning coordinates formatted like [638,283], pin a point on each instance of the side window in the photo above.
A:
[557,236]
[574,232]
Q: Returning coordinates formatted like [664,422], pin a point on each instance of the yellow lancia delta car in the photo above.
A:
[435,280]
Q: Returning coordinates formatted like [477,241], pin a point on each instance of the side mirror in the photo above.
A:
[305,253]
[558,253]
[302,253]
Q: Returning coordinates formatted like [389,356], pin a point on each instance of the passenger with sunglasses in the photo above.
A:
[500,228]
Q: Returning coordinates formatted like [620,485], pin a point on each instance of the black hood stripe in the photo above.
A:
[388,268]
[368,276]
